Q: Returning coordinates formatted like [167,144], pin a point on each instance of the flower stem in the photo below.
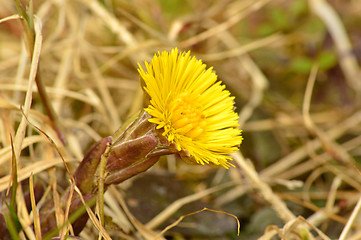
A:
[101,188]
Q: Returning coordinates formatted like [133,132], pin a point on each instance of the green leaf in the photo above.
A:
[279,19]
[301,65]
[298,7]
[174,7]
[327,60]
[12,222]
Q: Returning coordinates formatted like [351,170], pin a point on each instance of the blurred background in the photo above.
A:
[293,67]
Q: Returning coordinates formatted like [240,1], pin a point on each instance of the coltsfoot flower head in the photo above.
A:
[191,107]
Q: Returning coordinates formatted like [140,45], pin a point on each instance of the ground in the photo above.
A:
[292,66]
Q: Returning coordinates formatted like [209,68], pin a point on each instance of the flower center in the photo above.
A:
[186,118]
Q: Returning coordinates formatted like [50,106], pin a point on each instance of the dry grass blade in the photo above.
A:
[297,155]
[56,148]
[277,204]
[172,208]
[5,152]
[313,207]
[21,87]
[35,210]
[238,51]
[193,213]
[351,220]
[143,230]
[59,213]
[331,199]
[27,21]
[333,22]
[37,167]
[301,123]
[67,210]
[111,21]
[223,26]
[301,220]
[93,218]
[15,16]
[114,210]
[20,134]
[287,232]
[330,146]
[109,104]
[307,98]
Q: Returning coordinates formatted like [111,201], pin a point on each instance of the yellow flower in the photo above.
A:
[192,107]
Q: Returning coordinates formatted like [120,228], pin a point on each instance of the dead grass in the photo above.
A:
[301,118]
